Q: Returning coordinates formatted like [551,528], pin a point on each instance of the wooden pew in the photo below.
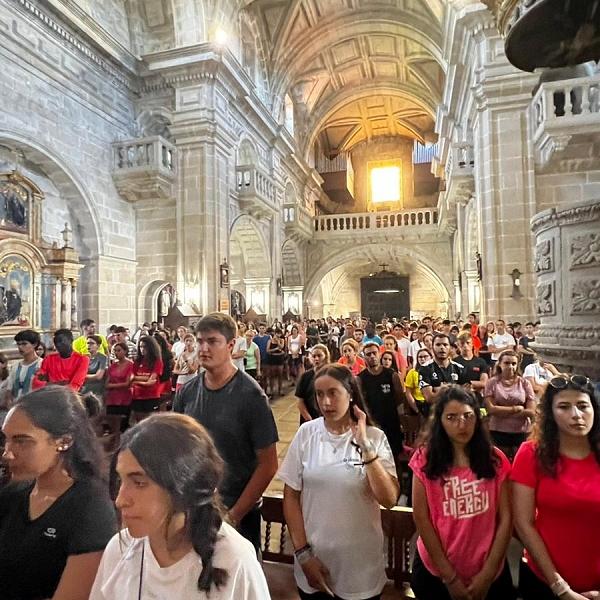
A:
[398,527]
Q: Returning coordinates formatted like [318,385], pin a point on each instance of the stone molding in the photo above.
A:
[577,213]
[590,334]
[58,30]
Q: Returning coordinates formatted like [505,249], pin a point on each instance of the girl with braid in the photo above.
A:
[175,544]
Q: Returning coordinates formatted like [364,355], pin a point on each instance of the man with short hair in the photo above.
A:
[65,367]
[476,369]
[312,334]
[527,353]
[435,377]
[383,394]
[236,413]
[261,339]
[121,337]
[348,334]
[401,339]
[501,341]
[428,322]
[371,336]
[21,374]
[88,327]
[416,345]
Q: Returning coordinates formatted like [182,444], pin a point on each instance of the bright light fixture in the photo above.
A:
[221,36]
[385,184]
[388,291]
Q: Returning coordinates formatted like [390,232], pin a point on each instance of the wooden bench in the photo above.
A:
[398,528]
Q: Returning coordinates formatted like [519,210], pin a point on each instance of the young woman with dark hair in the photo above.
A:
[176,544]
[275,358]
[511,404]
[305,390]
[388,360]
[556,495]
[118,384]
[56,516]
[461,503]
[147,369]
[168,361]
[337,472]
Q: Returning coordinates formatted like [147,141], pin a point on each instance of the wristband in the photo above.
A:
[560,587]
[368,462]
[304,554]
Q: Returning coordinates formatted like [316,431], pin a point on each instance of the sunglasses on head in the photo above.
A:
[580,382]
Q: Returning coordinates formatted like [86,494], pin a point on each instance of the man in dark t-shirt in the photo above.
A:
[383,394]
[527,354]
[476,369]
[236,413]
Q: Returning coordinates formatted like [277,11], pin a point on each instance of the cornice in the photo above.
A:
[576,213]
[80,47]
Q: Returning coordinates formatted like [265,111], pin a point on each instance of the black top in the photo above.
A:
[240,421]
[526,359]
[474,368]
[306,391]
[433,375]
[378,391]
[33,553]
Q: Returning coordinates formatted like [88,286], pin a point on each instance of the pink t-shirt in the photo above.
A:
[515,395]
[463,511]
[567,515]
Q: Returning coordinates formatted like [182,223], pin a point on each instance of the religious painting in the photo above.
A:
[15,292]
[14,206]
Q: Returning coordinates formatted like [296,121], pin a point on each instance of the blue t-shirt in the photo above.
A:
[262,342]
[375,339]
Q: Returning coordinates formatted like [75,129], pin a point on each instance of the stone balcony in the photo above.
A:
[561,112]
[298,222]
[460,171]
[145,168]
[257,192]
[418,221]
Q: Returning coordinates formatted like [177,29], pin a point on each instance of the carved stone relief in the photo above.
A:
[585,251]
[585,297]
[545,299]
[543,261]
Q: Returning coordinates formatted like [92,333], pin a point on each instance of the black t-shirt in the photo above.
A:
[312,336]
[378,391]
[306,391]
[240,421]
[433,375]
[474,368]
[33,554]
[526,359]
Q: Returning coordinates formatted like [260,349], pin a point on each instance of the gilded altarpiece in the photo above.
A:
[38,280]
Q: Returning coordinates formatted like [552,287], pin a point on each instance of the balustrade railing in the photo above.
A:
[251,181]
[155,153]
[568,102]
[356,222]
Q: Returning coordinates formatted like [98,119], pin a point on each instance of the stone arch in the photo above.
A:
[248,250]
[290,193]
[291,264]
[437,275]
[148,300]
[67,183]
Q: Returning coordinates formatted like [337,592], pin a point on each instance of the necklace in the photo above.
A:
[339,444]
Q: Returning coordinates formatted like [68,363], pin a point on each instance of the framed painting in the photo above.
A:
[15,292]
[15,207]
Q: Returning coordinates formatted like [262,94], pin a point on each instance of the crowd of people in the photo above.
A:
[501,447]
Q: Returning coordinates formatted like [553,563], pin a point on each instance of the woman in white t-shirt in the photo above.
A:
[337,472]
[176,544]
[187,363]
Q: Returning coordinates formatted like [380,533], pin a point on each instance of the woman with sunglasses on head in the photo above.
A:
[175,544]
[461,503]
[337,472]
[556,495]
[510,402]
[414,395]
[56,516]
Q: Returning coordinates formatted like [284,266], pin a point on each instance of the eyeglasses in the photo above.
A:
[578,381]
[456,419]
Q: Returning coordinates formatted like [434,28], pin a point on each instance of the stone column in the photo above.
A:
[567,264]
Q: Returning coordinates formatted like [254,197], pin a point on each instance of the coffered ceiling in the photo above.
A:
[355,69]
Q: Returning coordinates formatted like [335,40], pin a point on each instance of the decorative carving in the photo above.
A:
[569,334]
[543,261]
[585,251]
[577,214]
[585,297]
[545,299]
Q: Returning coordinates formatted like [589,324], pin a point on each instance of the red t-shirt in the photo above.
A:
[119,374]
[144,392]
[359,364]
[463,511]
[567,515]
[73,369]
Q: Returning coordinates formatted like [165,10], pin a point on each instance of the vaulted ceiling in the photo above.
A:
[355,69]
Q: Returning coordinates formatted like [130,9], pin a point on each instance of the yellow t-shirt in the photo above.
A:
[80,345]
[412,382]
